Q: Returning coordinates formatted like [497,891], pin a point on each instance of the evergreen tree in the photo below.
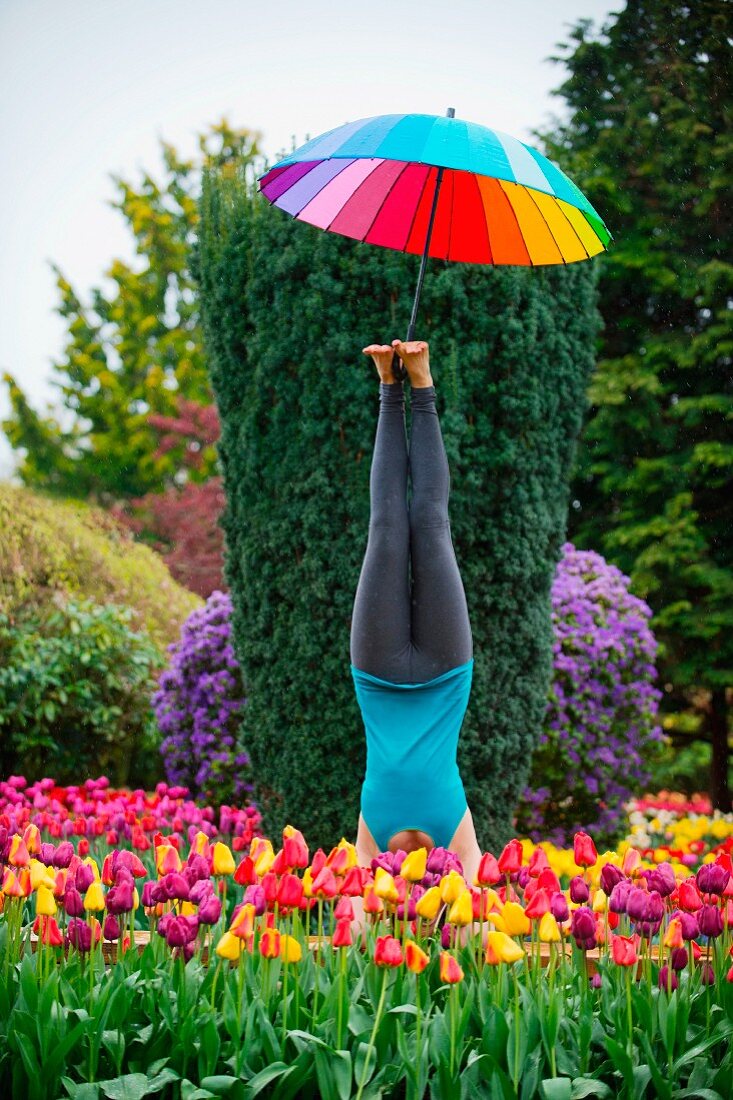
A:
[649,139]
[286,310]
[133,351]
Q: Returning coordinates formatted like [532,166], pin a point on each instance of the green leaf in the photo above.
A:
[364,1069]
[219,1084]
[80,1091]
[587,1086]
[131,1086]
[266,1076]
[556,1088]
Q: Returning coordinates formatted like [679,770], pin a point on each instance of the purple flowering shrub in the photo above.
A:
[198,707]
[600,726]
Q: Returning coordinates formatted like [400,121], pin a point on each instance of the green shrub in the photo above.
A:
[51,548]
[75,685]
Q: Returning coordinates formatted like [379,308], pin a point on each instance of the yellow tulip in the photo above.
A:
[244,921]
[515,919]
[429,905]
[135,898]
[494,917]
[259,845]
[503,948]
[461,911]
[264,862]
[40,875]
[188,909]
[94,897]
[200,844]
[45,902]
[451,887]
[229,946]
[346,846]
[290,949]
[222,860]
[308,883]
[549,931]
[414,865]
[385,886]
[600,902]
[167,860]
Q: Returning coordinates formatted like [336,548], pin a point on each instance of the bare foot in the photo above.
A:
[416,357]
[382,354]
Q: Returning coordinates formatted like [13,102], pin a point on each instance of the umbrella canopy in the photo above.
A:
[498,200]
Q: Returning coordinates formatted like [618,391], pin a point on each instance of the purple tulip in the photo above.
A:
[523,877]
[689,926]
[47,853]
[668,979]
[610,877]
[79,934]
[445,937]
[63,854]
[255,895]
[73,902]
[197,868]
[174,886]
[189,950]
[148,896]
[678,958]
[655,907]
[662,879]
[209,910]
[111,927]
[648,928]
[712,878]
[436,861]
[707,974]
[579,892]
[121,898]
[596,981]
[620,896]
[163,923]
[710,921]
[84,877]
[200,890]
[637,903]
[176,932]
[559,906]
[411,911]
[583,927]
[123,874]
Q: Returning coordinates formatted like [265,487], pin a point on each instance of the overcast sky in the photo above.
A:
[88,87]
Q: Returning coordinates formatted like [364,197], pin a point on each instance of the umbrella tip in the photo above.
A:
[451,112]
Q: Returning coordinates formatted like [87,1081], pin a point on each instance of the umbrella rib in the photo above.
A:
[547,224]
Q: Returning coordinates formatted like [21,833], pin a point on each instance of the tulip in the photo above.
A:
[295,849]
[120,899]
[510,860]
[243,920]
[662,879]
[51,933]
[502,948]
[637,904]
[79,934]
[45,902]
[549,881]
[342,857]
[290,950]
[39,875]
[344,910]
[209,910]
[488,873]
[73,902]
[600,902]
[342,933]
[548,931]
[255,895]
[610,877]
[688,897]
[94,898]
[584,850]
[414,865]
[387,951]
[289,892]
[384,886]
[710,920]
[712,878]
[245,874]
[620,896]
[631,861]
[515,919]
[111,928]
[451,887]
[450,971]
[538,904]
[372,902]
[318,862]
[429,905]
[18,855]
[353,884]
[623,949]
[415,958]
[229,947]
[538,862]
[325,884]
[707,974]
[63,854]
[167,859]
[668,979]
[579,892]
[222,860]
[270,943]
[690,927]
[583,928]
[559,907]
[673,935]
[461,911]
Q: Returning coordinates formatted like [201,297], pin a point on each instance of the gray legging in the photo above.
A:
[400,632]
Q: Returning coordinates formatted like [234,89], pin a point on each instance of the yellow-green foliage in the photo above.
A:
[50,547]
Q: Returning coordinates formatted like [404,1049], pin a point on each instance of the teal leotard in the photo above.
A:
[412,778]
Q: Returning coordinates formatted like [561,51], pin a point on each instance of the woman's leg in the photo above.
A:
[380,627]
[441,630]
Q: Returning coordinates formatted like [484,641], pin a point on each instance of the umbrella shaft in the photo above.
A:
[424,260]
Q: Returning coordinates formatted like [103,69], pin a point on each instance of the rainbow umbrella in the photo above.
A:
[437,186]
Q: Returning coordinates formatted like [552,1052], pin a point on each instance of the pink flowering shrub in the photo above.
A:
[601,720]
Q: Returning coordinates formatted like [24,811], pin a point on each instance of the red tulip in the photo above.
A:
[450,971]
[538,905]
[344,910]
[319,861]
[488,871]
[325,884]
[270,943]
[538,862]
[624,950]
[289,891]
[387,951]
[548,880]
[245,874]
[584,850]
[510,859]
[342,933]
[354,881]
[295,849]
[688,896]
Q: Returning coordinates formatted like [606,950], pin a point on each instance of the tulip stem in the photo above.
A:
[285,1006]
[372,1037]
[515,1067]
[342,995]
[630,1021]
[452,996]
[418,1049]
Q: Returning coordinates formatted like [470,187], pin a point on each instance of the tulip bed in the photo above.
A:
[174,952]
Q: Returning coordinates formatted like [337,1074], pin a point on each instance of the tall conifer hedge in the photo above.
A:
[286,310]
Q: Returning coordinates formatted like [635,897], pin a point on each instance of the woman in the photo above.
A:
[411,646]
